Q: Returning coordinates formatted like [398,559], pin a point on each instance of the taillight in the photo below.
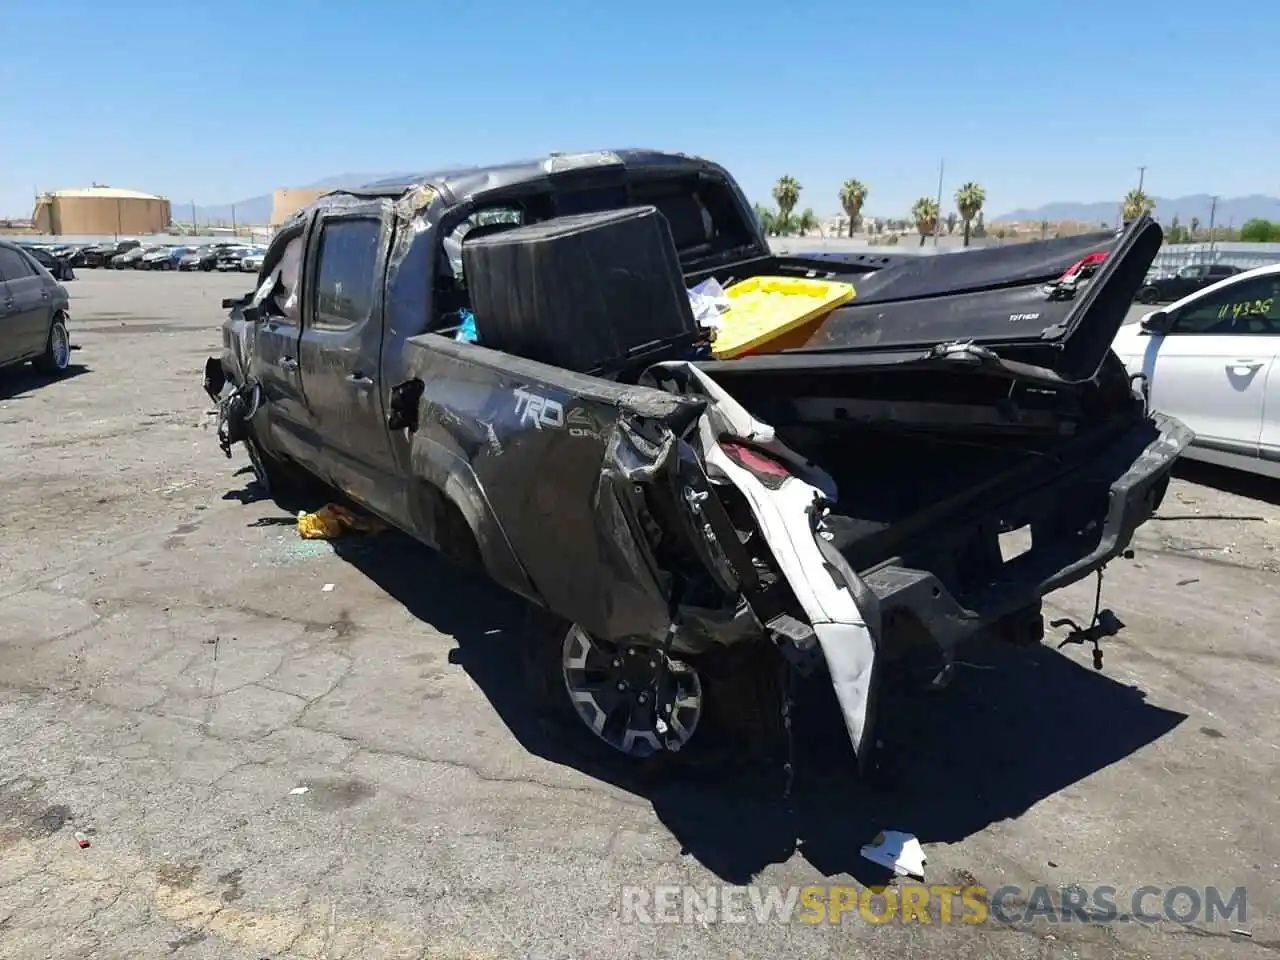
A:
[765,468]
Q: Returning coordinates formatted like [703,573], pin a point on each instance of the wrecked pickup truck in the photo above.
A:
[505,364]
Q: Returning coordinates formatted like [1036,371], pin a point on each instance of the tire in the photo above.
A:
[278,478]
[739,718]
[57,350]
[1148,295]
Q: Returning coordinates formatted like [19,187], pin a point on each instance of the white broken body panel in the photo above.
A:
[784,521]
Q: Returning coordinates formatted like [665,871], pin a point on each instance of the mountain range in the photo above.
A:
[1230,210]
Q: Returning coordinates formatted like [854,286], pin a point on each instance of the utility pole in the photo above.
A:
[1142,172]
[937,222]
[1213,208]
[234,231]
[194,228]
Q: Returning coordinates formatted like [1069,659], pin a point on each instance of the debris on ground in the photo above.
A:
[897,851]
[82,839]
[333,521]
[327,588]
[298,791]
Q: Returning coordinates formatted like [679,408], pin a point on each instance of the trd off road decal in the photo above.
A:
[538,411]
[581,424]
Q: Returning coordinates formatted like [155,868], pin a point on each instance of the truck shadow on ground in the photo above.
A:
[1015,726]
[17,383]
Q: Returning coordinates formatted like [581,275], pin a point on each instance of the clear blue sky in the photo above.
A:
[219,101]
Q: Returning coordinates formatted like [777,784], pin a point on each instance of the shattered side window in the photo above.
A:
[286,297]
[346,272]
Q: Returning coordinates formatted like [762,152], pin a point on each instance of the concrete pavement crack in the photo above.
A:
[459,765]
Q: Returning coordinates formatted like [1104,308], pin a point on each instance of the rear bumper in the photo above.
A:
[1081,520]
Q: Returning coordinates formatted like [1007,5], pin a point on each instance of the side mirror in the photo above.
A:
[1157,322]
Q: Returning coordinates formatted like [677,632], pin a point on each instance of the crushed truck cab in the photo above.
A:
[505,364]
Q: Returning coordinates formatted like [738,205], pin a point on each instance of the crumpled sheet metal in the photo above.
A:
[552,460]
[844,629]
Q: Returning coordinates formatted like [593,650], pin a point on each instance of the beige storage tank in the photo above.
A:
[287,201]
[101,211]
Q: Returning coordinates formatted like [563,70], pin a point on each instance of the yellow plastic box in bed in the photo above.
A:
[763,309]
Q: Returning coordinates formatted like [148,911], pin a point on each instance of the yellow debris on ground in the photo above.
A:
[333,521]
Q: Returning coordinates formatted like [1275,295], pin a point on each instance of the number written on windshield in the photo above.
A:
[1245,308]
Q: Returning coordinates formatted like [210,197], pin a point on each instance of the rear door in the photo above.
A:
[1211,369]
[10,338]
[339,351]
[27,302]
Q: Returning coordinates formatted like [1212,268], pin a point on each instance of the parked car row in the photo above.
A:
[62,259]
[213,256]
[57,258]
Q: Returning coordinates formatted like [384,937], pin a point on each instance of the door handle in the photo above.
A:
[1244,365]
[289,363]
[359,380]
[44,294]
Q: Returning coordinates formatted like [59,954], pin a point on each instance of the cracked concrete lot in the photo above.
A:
[172,673]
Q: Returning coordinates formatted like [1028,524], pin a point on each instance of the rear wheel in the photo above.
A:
[1148,295]
[57,351]
[619,693]
[648,706]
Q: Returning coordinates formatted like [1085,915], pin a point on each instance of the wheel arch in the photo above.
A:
[440,482]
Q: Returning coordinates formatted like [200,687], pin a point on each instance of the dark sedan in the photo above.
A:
[33,313]
[101,255]
[57,260]
[162,258]
[229,259]
[1175,286]
[131,259]
[202,258]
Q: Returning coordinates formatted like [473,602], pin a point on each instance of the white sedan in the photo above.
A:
[1212,359]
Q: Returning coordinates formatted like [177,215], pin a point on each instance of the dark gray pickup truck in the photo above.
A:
[505,363]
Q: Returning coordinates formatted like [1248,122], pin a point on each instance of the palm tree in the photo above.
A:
[969,199]
[1195,227]
[768,219]
[806,221]
[786,194]
[951,221]
[925,214]
[853,194]
[1135,204]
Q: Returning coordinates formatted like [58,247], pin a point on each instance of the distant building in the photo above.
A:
[287,201]
[101,211]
